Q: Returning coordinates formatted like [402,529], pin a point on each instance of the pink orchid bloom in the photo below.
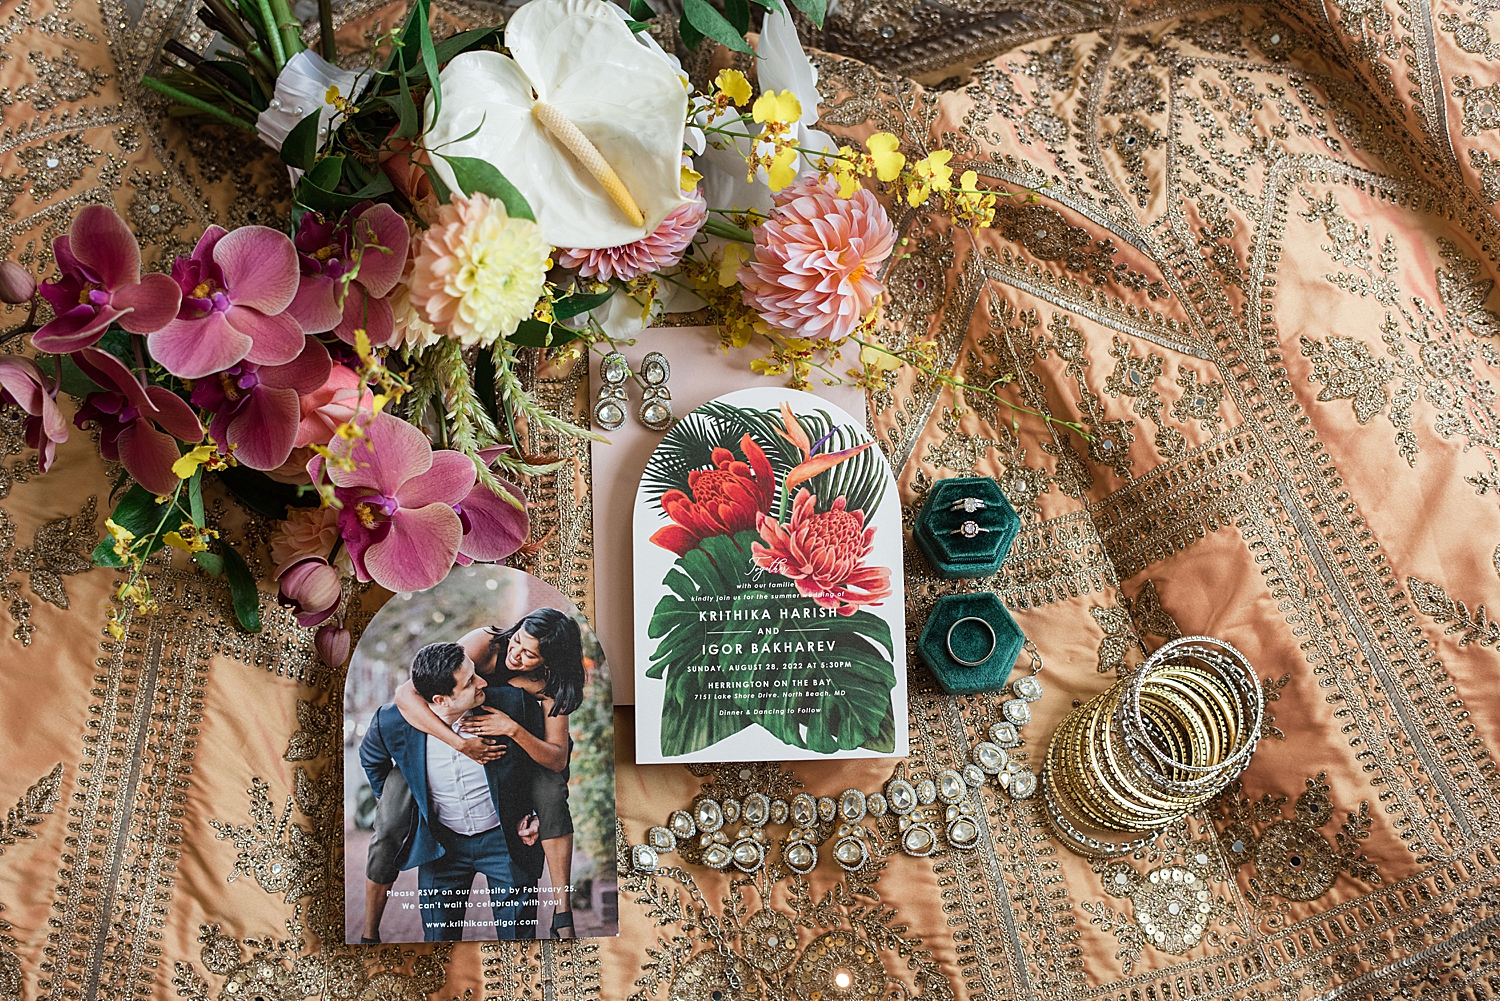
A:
[408,512]
[99,282]
[22,384]
[235,291]
[139,426]
[311,588]
[257,408]
[331,405]
[493,527]
[372,245]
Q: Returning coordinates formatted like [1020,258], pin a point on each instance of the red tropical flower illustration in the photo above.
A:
[726,499]
[824,553]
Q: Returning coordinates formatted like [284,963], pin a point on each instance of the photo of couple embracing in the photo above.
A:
[466,767]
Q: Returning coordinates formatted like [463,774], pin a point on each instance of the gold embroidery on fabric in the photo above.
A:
[30,810]
[58,548]
[1470,627]
[1292,858]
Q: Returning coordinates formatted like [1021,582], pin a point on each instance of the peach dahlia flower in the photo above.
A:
[815,260]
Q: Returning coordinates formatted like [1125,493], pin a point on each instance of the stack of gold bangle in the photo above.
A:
[1155,746]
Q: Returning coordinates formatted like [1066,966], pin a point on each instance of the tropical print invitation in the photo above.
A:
[769,601]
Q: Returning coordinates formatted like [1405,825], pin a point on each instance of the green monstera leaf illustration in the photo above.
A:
[726,633]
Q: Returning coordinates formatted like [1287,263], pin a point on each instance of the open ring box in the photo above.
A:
[953,554]
[969,641]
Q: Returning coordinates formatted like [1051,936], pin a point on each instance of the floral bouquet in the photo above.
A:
[546,186]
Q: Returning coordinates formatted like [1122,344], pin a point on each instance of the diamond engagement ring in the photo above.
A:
[986,627]
[968,505]
[969,529]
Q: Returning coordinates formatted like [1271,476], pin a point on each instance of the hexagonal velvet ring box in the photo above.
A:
[959,649]
[966,526]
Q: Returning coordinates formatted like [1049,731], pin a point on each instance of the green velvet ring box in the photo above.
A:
[939,527]
[946,642]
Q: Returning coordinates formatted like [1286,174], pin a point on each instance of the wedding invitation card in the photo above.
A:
[769,600]
[479,783]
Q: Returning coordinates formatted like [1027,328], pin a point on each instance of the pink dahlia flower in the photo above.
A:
[824,553]
[235,291]
[661,248]
[409,512]
[815,258]
[139,426]
[373,245]
[99,282]
[23,385]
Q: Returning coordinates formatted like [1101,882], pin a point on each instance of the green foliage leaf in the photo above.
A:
[536,334]
[138,513]
[439,186]
[641,10]
[816,10]
[300,149]
[691,36]
[241,590]
[429,60]
[738,14]
[212,563]
[473,175]
[711,24]
[464,41]
[846,700]
[580,302]
[327,172]
[637,26]
[74,382]
[195,497]
[406,109]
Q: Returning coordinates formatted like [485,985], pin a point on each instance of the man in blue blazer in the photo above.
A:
[470,817]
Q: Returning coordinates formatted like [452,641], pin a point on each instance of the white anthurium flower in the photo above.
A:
[302,86]
[583,119]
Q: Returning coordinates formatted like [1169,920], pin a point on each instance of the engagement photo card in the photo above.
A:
[769,600]
[479,781]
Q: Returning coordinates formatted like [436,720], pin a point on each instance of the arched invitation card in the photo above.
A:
[769,601]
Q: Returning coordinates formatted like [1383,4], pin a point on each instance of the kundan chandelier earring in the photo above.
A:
[656,400]
[609,410]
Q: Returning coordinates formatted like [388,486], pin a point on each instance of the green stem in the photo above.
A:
[326,41]
[197,104]
[729,231]
[289,27]
[272,31]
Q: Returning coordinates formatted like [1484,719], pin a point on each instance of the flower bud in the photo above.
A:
[332,644]
[16,284]
[312,588]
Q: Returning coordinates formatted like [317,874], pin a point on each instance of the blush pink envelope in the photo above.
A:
[700,372]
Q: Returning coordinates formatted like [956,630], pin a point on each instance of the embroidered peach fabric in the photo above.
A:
[1260,272]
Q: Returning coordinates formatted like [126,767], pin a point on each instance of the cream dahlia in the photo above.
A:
[478,272]
[824,554]
[815,258]
[662,248]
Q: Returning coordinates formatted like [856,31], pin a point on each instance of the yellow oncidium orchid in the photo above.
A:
[733,85]
[187,465]
[884,151]
[878,360]
[782,169]
[690,179]
[781,108]
[735,254]
[933,174]
[123,538]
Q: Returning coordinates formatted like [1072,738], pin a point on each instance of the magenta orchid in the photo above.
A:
[348,269]
[235,287]
[257,408]
[23,385]
[100,282]
[139,426]
[407,511]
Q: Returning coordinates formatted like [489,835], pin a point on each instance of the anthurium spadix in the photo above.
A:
[584,120]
